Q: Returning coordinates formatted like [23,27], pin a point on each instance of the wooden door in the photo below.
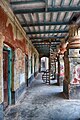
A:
[5,77]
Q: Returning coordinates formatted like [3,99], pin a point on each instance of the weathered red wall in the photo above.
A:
[8,33]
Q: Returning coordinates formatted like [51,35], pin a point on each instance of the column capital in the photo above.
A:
[73,30]
[63,47]
[74,36]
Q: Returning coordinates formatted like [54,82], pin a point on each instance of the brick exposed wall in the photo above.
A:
[9,31]
[15,39]
[19,68]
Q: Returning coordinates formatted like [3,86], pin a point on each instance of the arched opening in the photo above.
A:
[44,64]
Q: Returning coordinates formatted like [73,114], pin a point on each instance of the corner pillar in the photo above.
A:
[71,87]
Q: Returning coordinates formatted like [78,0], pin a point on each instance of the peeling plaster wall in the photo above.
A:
[61,69]
[29,62]
[19,68]
[37,64]
[14,37]
[1,67]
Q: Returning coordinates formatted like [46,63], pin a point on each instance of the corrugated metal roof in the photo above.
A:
[45,15]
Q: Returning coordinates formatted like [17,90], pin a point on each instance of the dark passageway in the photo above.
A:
[44,102]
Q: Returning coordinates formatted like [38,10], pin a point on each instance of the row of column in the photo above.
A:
[71,83]
[69,64]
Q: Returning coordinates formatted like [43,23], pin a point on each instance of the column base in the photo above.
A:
[74,92]
[66,88]
[71,91]
[61,81]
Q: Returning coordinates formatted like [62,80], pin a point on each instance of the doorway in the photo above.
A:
[44,64]
[26,69]
[7,75]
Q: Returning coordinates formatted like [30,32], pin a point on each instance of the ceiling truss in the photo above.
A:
[45,20]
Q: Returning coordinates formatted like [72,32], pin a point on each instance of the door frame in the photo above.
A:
[9,50]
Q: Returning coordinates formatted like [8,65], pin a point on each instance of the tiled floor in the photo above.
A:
[44,102]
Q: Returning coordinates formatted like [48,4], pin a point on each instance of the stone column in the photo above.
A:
[61,51]
[61,70]
[1,76]
[71,87]
[58,83]
[56,65]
